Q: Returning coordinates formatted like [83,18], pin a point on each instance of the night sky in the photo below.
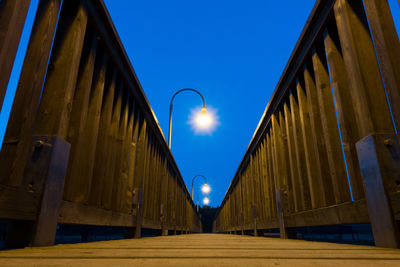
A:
[233,52]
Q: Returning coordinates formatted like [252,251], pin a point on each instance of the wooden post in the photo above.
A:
[48,167]
[138,200]
[379,157]
[12,19]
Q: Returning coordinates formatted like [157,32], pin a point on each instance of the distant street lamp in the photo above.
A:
[206,201]
[205,188]
[203,120]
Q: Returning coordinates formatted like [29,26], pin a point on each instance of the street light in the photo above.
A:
[206,201]
[205,188]
[203,119]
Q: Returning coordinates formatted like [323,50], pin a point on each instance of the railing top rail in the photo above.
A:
[106,28]
[314,25]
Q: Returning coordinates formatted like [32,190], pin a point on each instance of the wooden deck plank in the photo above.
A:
[202,250]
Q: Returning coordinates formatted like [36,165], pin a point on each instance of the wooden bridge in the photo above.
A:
[202,250]
[83,146]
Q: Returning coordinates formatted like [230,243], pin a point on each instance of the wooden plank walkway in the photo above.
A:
[202,250]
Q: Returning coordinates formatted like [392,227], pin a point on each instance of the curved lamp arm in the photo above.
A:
[198,175]
[170,110]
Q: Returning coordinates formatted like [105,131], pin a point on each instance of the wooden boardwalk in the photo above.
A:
[202,250]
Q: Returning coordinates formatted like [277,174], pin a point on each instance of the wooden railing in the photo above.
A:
[82,144]
[326,151]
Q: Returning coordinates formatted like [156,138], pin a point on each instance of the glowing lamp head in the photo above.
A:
[203,120]
[206,201]
[205,189]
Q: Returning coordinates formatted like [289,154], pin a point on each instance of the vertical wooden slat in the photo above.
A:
[277,155]
[112,148]
[12,19]
[312,161]
[333,145]
[271,176]
[79,113]
[133,157]
[104,143]
[367,90]
[140,154]
[317,145]
[17,140]
[241,216]
[300,153]
[297,195]
[164,196]
[345,109]
[79,184]
[261,178]
[387,47]
[120,155]
[121,197]
[56,101]
[286,165]
[264,164]
[54,112]
[147,171]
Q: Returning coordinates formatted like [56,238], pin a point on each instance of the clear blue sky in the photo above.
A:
[233,52]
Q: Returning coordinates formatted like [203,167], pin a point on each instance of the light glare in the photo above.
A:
[206,201]
[203,122]
[205,189]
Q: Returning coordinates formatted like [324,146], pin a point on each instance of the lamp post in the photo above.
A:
[203,111]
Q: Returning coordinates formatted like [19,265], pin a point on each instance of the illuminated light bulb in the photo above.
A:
[203,120]
[206,201]
[205,188]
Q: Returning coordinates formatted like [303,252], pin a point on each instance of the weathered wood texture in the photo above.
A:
[340,85]
[203,250]
[12,19]
[78,85]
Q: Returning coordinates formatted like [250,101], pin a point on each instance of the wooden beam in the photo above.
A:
[104,142]
[311,158]
[131,172]
[58,91]
[112,149]
[77,213]
[296,190]
[80,183]
[12,19]
[79,114]
[18,203]
[346,213]
[17,140]
[122,138]
[316,144]
[367,89]
[345,109]
[299,153]
[335,181]
[387,47]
